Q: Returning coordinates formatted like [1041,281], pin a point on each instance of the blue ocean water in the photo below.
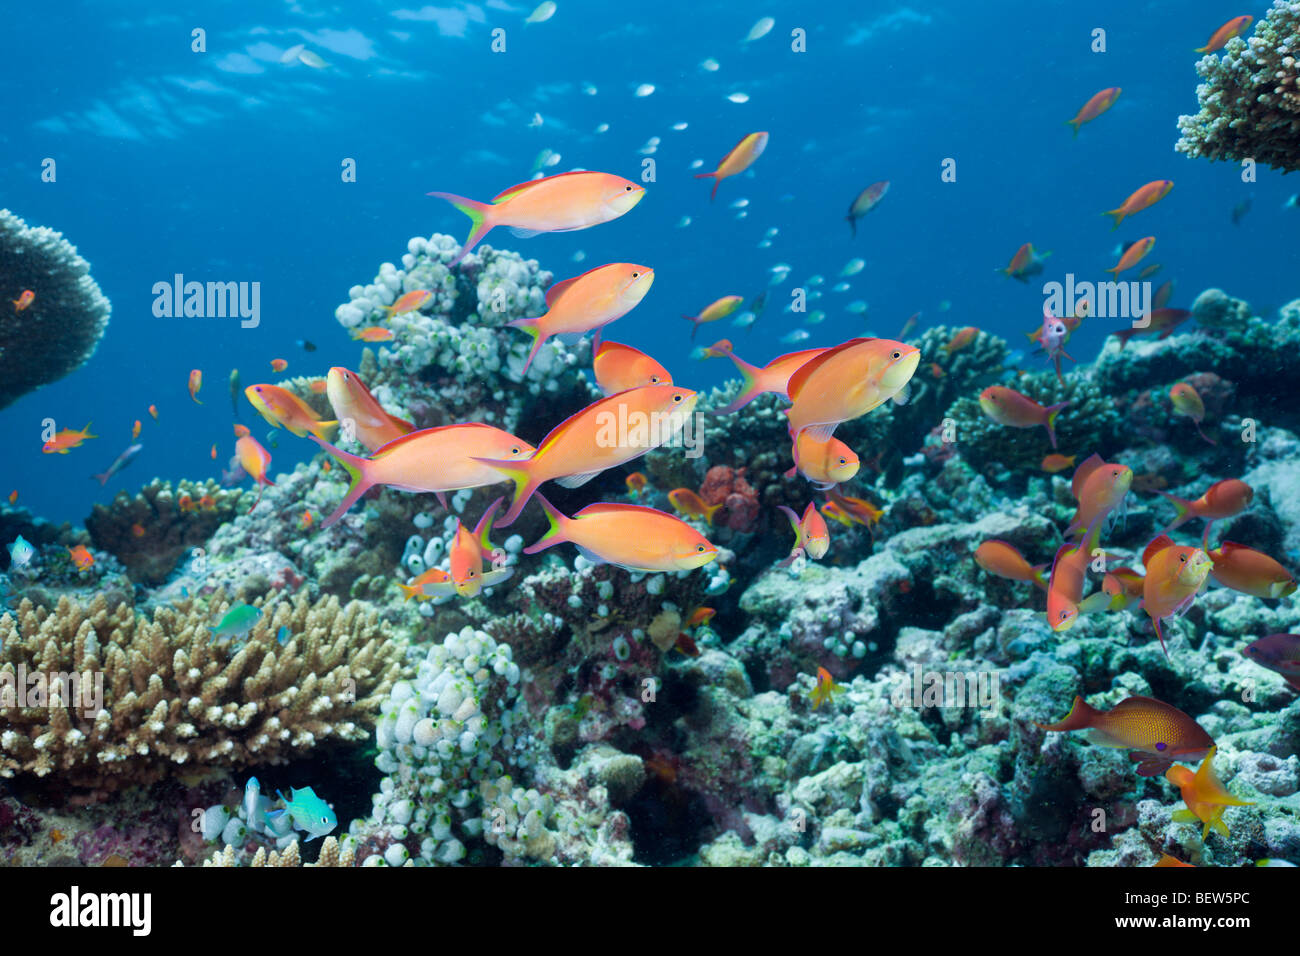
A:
[225,165]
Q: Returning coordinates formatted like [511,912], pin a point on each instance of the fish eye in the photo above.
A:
[654,379]
[896,354]
[635,274]
[844,461]
[628,188]
[471,574]
[514,451]
[677,398]
[699,547]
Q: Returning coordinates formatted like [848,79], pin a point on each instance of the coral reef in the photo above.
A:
[68,308]
[123,699]
[150,532]
[1250,98]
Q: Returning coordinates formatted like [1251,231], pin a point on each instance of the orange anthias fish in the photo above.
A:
[278,365]
[1163,295]
[1249,571]
[137,530]
[1160,323]
[846,382]
[185,503]
[153,410]
[1008,407]
[1097,104]
[936,370]
[587,442]
[620,367]
[240,430]
[208,503]
[467,574]
[213,454]
[859,510]
[636,483]
[1065,586]
[1223,499]
[1025,263]
[196,383]
[1099,488]
[690,503]
[863,203]
[1219,39]
[306,520]
[740,158]
[1174,575]
[430,460]
[718,349]
[1122,588]
[281,407]
[714,311]
[587,303]
[350,399]
[1155,733]
[1205,795]
[13,496]
[81,557]
[826,688]
[701,615]
[65,439]
[1187,401]
[1143,197]
[773,377]
[412,301]
[438,581]
[825,463]
[1147,272]
[135,430]
[833,511]
[255,460]
[811,536]
[373,333]
[961,338]
[629,536]
[563,203]
[1006,561]
[25,298]
[319,385]
[1167,860]
[1133,255]
[1056,462]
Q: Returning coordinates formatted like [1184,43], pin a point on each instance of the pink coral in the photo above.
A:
[728,487]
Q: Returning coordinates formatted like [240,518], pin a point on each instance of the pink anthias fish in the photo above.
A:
[1051,339]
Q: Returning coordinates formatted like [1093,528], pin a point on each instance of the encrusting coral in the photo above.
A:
[1250,100]
[68,308]
[154,694]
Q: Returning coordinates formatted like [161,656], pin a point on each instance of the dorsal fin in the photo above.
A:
[1154,548]
[520,187]
[554,292]
[1081,473]
[614,507]
[808,356]
[800,377]
[385,450]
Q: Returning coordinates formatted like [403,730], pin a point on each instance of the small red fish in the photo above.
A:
[185,503]
[689,503]
[636,482]
[25,298]
[961,339]
[1219,39]
[196,383]
[686,646]
[137,530]
[153,410]
[826,688]
[13,496]
[305,521]
[81,557]
[208,503]
[214,451]
[701,615]
[374,333]
[279,365]
[135,430]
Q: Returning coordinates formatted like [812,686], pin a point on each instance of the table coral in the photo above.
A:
[68,309]
[172,697]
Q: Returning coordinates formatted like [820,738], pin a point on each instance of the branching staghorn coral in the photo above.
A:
[170,696]
[331,855]
[68,308]
[1250,100]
